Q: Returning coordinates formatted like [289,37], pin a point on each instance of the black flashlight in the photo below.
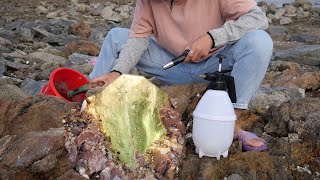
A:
[177,60]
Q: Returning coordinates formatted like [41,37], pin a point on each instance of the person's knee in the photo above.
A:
[118,34]
[259,42]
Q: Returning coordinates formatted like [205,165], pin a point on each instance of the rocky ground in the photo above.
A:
[37,37]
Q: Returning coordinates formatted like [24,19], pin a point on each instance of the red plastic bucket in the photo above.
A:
[63,80]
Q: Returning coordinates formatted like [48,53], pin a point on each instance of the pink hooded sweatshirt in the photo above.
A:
[175,29]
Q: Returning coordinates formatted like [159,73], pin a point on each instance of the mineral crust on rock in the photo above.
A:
[129,110]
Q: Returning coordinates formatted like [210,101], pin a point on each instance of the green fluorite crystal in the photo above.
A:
[129,111]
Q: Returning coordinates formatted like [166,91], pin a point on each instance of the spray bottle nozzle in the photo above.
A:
[220,81]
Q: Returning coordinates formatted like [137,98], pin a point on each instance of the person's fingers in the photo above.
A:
[195,56]
[190,55]
[95,80]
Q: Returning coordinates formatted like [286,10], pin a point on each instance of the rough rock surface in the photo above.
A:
[33,43]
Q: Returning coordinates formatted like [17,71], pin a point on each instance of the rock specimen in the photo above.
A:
[142,133]
[129,111]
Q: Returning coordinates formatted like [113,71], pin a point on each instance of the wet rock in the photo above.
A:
[306,54]
[41,57]
[80,29]
[38,113]
[11,92]
[299,117]
[83,47]
[32,87]
[266,97]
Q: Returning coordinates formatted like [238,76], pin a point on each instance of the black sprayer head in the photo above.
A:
[220,81]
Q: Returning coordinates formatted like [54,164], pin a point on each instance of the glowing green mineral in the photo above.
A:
[129,112]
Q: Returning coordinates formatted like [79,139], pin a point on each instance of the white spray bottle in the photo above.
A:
[214,117]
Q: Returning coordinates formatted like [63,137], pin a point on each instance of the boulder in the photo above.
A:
[129,111]
[39,113]
[41,57]
[305,54]
[33,154]
[275,96]
[11,92]
[300,117]
[32,87]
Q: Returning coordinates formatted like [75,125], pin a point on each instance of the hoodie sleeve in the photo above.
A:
[238,23]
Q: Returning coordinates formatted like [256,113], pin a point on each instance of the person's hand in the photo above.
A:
[107,78]
[199,49]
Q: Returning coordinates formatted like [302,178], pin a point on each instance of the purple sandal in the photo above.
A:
[244,136]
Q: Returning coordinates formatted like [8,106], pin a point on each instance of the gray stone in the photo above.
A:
[6,42]
[81,8]
[32,87]
[302,14]
[2,67]
[40,33]
[234,177]
[107,13]
[32,147]
[11,92]
[273,7]
[61,40]
[285,20]
[42,10]
[306,54]
[277,33]
[79,59]
[300,117]
[40,57]
[280,12]
[4,49]
[52,15]
[266,97]
[44,165]
[26,33]
[15,65]
[308,38]
[290,9]
[97,36]
[96,9]
[16,54]
[315,8]
[83,69]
